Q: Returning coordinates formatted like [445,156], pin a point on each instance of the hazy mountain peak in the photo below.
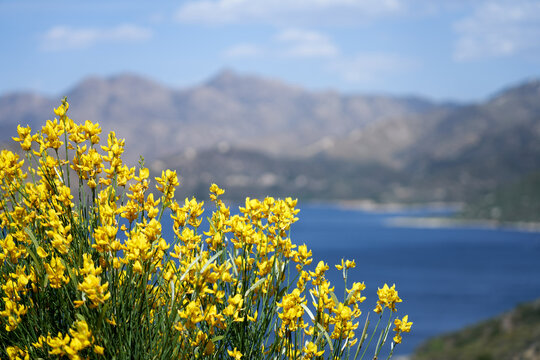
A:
[528,88]
[223,78]
[122,82]
[248,86]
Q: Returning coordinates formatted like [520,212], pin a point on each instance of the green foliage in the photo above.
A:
[86,273]
[514,335]
[519,201]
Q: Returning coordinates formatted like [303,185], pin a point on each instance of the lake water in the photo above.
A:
[447,277]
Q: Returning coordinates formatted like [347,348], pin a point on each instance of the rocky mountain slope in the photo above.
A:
[241,111]
[259,136]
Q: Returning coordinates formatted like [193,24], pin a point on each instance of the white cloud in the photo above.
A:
[369,67]
[289,43]
[243,50]
[285,11]
[499,28]
[65,37]
[306,43]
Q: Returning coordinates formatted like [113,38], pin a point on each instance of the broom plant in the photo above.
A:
[87,273]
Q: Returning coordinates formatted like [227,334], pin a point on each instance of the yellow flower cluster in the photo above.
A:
[401,326]
[83,255]
[91,285]
[70,346]
[388,297]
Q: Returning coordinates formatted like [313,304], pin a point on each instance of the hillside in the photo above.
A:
[239,110]
[512,336]
[259,136]
[518,201]
[256,174]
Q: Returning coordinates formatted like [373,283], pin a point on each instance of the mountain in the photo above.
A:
[262,136]
[244,172]
[455,152]
[482,145]
[242,111]
[517,201]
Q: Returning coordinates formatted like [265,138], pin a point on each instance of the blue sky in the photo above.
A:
[447,50]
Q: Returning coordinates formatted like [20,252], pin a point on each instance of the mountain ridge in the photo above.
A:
[245,110]
[415,149]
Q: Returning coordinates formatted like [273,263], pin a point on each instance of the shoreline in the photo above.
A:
[431,222]
[373,206]
[447,222]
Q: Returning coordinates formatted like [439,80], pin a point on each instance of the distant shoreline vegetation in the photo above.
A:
[431,215]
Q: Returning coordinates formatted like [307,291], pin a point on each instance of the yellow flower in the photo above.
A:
[388,297]
[25,137]
[192,313]
[58,343]
[310,350]
[318,275]
[302,257]
[91,285]
[346,264]
[167,183]
[234,307]
[401,326]
[55,270]
[355,294]
[292,311]
[61,110]
[99,350]
[215,192]
[16,353]
[235,354]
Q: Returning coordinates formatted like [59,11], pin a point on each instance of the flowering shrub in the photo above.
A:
[86,273]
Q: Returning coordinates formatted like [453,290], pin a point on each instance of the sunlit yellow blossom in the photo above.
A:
[233,309]
[302,257]
[57,344]
[319,273]
[91,285]
[388,297]
[292,311]
[52,130]
[91,131]
[192,314]
[343,321]
[61,110]
[310,350]
[11,249]
[10,166]
[16,353]
[401,326]
[355,294]
[12,313]
[346,264]
[215,192]
[235,354]
[99,350]
[55,270]
[25,137]
[167,183]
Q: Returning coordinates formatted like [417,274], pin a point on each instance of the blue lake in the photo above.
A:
[447,277]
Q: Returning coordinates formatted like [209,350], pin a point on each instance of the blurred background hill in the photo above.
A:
[259,136]
[513,335]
